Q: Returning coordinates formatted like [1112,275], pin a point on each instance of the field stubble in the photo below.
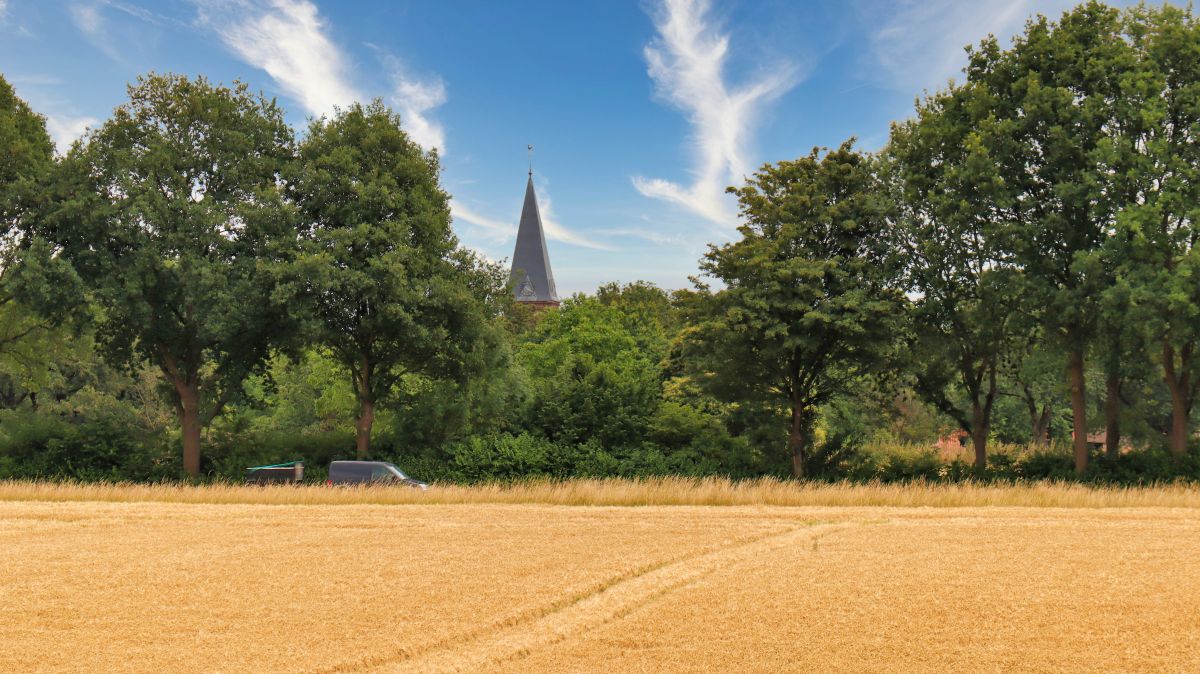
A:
[126,585]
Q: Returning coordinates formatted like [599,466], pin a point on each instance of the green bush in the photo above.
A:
[501,457]
[36,446]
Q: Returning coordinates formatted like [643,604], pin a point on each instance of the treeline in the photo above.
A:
[193,289]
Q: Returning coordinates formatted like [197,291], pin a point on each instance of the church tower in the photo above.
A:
[531,278]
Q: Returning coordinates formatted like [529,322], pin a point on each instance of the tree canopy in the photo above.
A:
[810,302]
[390,293]
[174,218]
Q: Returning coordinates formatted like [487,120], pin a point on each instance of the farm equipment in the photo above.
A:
[280,472]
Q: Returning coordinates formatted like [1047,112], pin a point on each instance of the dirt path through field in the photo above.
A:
[608,603]
[1039,592]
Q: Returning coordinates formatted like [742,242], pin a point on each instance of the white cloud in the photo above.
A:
[687,62]
[35,80]
[918,44]
[500,230]
[42,93]
[495,228]
[287,39]
[65,129]
[555,231]
[649,235]
[415,99]
[3,10]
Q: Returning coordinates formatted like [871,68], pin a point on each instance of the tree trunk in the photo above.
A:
[979,435]
[1112,416]
[1179,427]
[366,418]
[1078,408]
[189,419]
[798,440]
[1039,423]
[1041,427]
[1177,384]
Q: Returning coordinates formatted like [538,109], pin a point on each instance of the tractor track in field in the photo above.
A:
[610,600]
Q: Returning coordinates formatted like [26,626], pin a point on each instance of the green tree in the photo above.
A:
[590,377]
[173,217]
[1157,234]
[1052,99]
[26,155]
[954,226]
[809,302]
[389,289]
[26,159]
[1034,376]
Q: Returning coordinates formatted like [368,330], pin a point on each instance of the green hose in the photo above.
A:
[277,465]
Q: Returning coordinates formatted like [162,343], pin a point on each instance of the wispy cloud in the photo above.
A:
[500,230]
[556,231]
[416,98]
[918,44]
[287,39]
[647,234]
[88,17]
[687,61]
[35,80]
[290,40]
[9,26]
[494,228]
[141,13]
[93,19]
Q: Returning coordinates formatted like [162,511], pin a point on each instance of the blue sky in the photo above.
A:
[641,113]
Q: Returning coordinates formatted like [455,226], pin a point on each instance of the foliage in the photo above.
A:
[955,220]
[387,294]
[1154,251]
[1051,103]
[809,303]
[173,217]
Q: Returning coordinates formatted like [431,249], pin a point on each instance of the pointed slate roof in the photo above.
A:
[531,276]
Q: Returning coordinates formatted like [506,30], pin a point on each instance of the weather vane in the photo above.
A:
[530,149]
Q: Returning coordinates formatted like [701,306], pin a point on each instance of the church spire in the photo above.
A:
[531,277]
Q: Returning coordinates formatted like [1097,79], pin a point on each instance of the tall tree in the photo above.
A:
[26,154]
[390,291]
[809,302]
[26,158]
[956,215]
[1052,97]
[1158,233]
[173,217]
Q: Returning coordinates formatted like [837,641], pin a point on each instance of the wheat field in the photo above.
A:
[128,583]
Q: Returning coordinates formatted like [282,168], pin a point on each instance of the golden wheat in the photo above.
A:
[96,580]
[675,491]
[955,593]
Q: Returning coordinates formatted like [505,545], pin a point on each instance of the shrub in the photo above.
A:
[36,445]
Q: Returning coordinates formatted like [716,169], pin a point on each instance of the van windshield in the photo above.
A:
[396,471]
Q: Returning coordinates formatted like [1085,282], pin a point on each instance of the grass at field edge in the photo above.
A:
[665,491]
